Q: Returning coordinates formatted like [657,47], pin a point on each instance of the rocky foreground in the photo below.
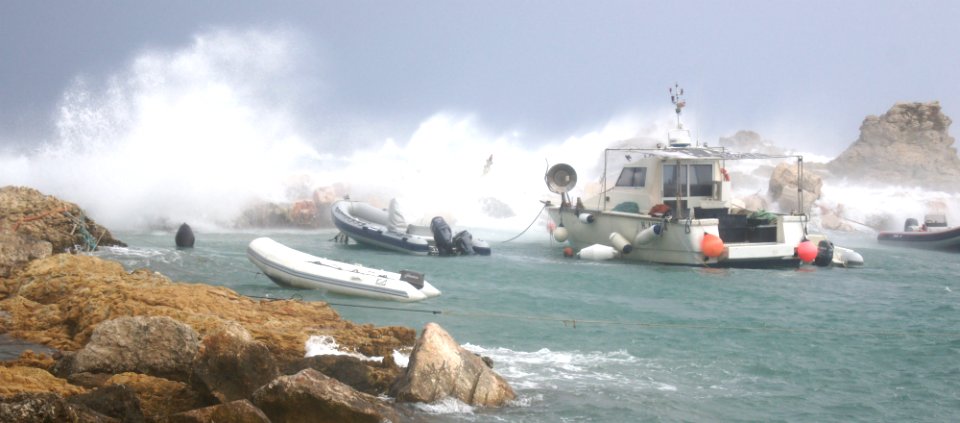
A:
[136,346]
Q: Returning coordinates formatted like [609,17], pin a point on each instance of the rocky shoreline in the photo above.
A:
[139,347]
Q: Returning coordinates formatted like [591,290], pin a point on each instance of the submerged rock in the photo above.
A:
[439,368]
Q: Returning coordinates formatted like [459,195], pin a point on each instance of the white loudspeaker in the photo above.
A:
[560,178]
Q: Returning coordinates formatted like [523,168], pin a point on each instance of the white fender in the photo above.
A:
[647,235]
[620,243]
[560,234]
[598,252]
[586,217]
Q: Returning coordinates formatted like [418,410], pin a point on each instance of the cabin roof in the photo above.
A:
[699,153]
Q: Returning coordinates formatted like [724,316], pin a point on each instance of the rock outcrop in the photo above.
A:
[28,212]
[231,364]
[440,368]
[156,345]
[783,188]
[908,145]
[310,396]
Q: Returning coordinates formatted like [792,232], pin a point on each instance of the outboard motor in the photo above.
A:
[910,224]
[464,242]
[415,279]
[824,253]
[442,236]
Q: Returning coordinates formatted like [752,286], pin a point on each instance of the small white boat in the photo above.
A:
[291,268]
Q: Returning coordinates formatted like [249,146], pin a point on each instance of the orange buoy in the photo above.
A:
[567,252]
[807,251]
[711,245]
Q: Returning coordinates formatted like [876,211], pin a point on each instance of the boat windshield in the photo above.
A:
[632,177]
[694,180]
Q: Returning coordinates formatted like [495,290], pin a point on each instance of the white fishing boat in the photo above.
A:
[672,204]
[292,268]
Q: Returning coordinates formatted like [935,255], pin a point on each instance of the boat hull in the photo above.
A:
[948,239]
[679,242]
[375,234]
[291,268]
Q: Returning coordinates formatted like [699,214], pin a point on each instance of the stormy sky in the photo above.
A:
[803,73]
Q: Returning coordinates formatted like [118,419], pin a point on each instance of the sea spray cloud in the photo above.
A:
[188,135]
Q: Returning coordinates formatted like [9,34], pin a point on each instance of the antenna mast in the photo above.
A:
[676,97]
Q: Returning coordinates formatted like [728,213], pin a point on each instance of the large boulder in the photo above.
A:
[155,345]
[29,212]
[231,364]
[440,368]
[365,376]
[46,407]
[908,145]
[16,250]
[240,411]
[783,188]
[310,396]
[117,401]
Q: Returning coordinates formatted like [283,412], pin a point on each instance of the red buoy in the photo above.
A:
[567,252]
[711,245]
[807,251]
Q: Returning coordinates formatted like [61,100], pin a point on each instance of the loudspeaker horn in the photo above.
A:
[560,178]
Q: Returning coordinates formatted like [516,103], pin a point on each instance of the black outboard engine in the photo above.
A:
[824,254]
[909,224]
[464,242]
[184,237]
[442,236]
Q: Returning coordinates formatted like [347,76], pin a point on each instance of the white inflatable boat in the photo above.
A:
[291,268]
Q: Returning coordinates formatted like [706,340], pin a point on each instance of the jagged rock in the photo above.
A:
[117,401]
[363,376]
[231,364]
[749,142]
[46,407]
[783,188]
[908,145]
[310,396]
[28,212]
[60,300]
[154,345]
[439,368]
[18,379]
[16,250]
[240,411]
[158,396]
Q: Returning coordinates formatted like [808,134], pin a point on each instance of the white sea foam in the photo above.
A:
[326,345]
[446,405]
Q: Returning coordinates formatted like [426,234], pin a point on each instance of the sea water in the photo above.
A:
[613,341]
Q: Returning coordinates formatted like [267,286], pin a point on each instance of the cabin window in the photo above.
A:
[632,177]
[700,179]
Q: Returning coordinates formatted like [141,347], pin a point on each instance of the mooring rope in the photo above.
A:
[528,226]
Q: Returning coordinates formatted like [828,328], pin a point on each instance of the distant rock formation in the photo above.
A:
[310,213]
[783,188]
[749,142]
[908,145]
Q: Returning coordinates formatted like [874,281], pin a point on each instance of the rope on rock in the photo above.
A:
[90,243]
[39,216]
